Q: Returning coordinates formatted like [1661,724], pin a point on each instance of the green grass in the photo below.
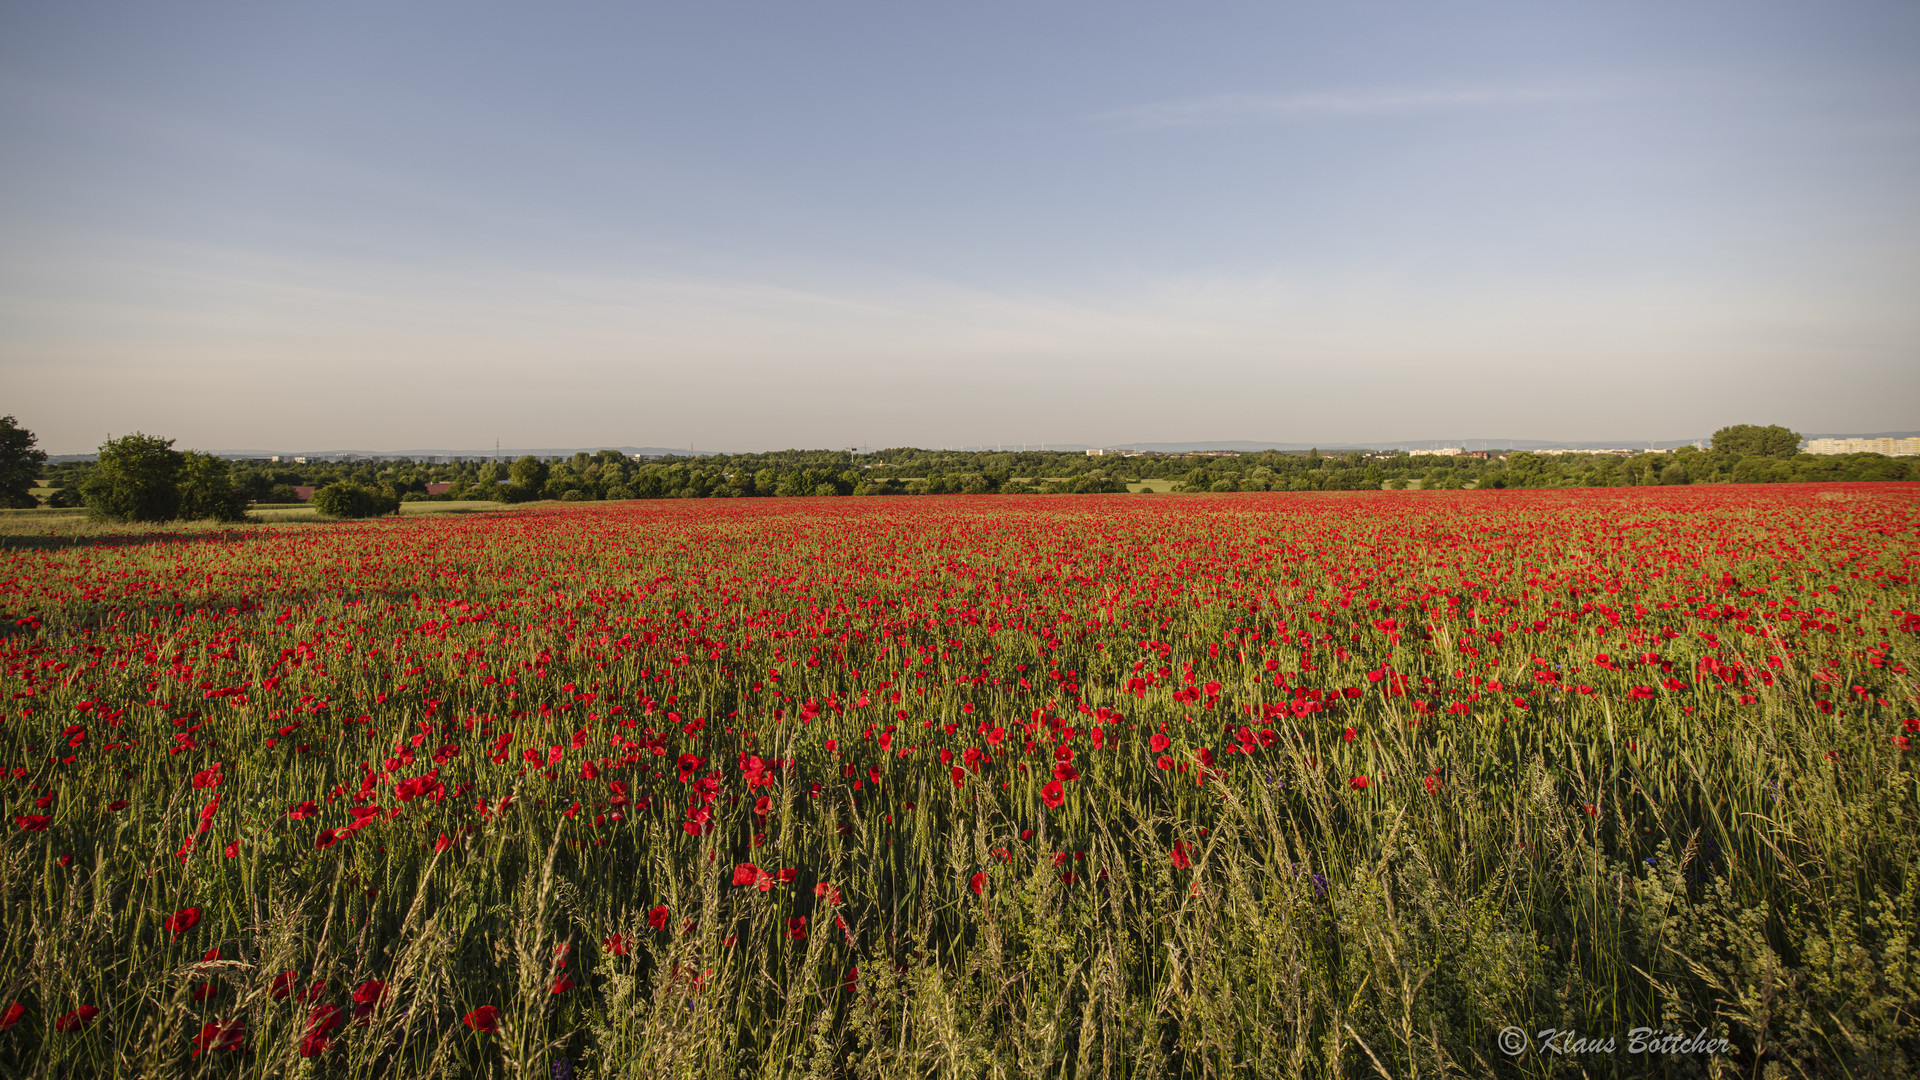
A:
[302,512]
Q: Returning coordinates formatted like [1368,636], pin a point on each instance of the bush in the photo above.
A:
[353,501]
[517,492]
[206,490]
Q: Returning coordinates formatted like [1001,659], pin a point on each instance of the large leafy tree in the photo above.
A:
[20,463]
[1751,440]
[135,479]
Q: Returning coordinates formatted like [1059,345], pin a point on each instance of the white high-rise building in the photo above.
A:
[1889,447]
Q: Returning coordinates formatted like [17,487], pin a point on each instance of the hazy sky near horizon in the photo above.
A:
[754,226]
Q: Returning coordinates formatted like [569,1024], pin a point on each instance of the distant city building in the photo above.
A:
[303,492]
[438,488]
[1214,453]
[1445,451]
[1889,447]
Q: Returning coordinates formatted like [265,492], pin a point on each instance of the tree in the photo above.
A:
[345,500]
[20,463]
[531,472]
[1748,440]
[136,478]
[529,479]
[207,492]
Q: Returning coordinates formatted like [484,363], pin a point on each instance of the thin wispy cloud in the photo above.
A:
[1219,109]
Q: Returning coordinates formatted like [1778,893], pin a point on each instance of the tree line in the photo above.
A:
[142,478]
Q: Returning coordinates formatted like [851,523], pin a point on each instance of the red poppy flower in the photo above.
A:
[1053,794]
[657,918]
[797,928]
[76,1021]
[182,921]
[33,822]
[562,985]
[615,944]
[1179,855]
[326,839]
[1159,743]
[12,1015]
[485,1019]
[325,1019]
[746,874]
[283,984]
[1358,783]
[214,1036]
[978,883]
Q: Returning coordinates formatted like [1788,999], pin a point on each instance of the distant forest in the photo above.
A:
[1741,455]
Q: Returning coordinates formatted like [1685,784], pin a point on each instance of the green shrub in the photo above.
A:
[345,500]
[206,490]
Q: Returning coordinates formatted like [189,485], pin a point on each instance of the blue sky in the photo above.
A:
[758,226]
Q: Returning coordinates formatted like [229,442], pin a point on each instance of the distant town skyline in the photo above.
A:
[763,226]
[1823,442]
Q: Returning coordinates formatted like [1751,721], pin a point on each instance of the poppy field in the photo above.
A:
[1342,783]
